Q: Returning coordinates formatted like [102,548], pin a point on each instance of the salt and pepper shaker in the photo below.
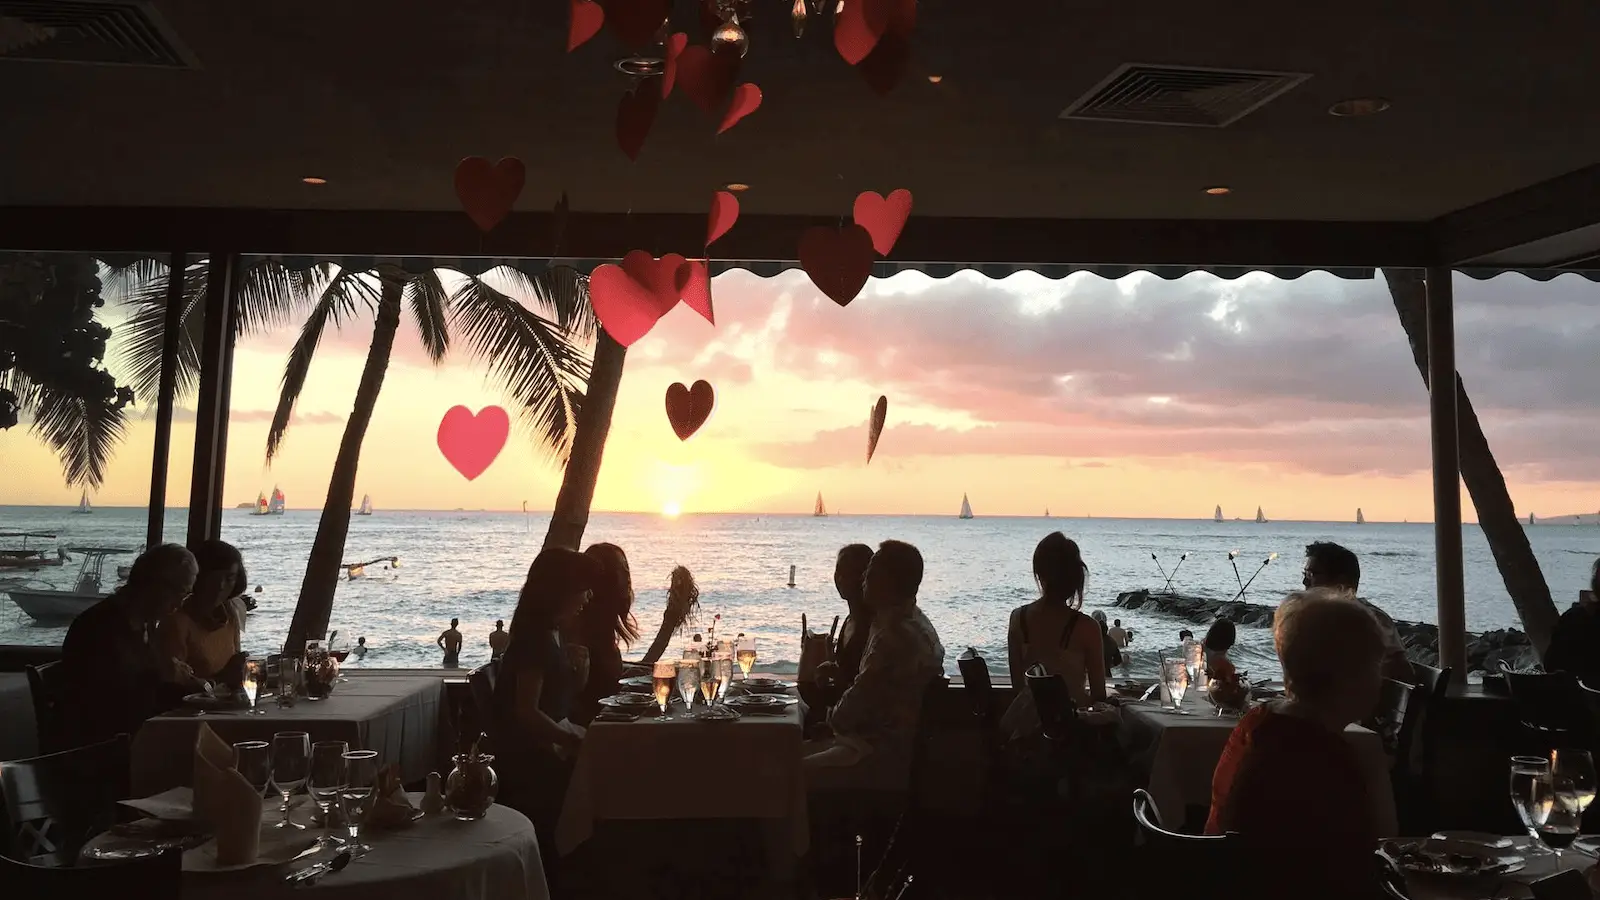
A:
[433,800]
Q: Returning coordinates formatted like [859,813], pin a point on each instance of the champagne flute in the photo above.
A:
[747,655]
[663,675]
[361,776]
[1577,765]
[724,667]
[291,765]
[1525,772]
[688,682]
[327,779]
[253,760]
[253,676]
[708,680]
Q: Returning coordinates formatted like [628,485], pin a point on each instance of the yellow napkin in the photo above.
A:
[232,807]
[391,808]
[211,753]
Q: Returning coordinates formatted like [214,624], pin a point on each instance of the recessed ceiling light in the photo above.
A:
[935,79]
[1219,190]
[737,186]
[1359,106]
[312,179]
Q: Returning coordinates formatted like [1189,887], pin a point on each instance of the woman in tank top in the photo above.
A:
[1053,633]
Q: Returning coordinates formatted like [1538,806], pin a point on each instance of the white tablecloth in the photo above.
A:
[1182,753]
[656,770]
[1538,865]
[397,715]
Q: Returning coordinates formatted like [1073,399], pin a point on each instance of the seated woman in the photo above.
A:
[683,602]
[1288,781]
[201,640]
[605,622]
[534,688]
[1053,633]
[1219,640]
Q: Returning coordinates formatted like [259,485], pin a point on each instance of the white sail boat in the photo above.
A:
[275,507]
[821,512]
[366,506]
[83,505]
[1260,518]
[966,508]
[1360,519]
[1217,516]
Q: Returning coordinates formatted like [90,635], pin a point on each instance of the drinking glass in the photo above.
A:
[1194,656]
[291,764]
[708,680]
[1577,765]
[288,680]
[253,760]
[1175,675]
[747,655]
[315,670]
[663,675]
[327,779]
[1525,772]
[1557,814]
[688,682]
[361,776]
[724,665]
[253,676]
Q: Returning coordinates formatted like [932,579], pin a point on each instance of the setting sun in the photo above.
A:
[671,509]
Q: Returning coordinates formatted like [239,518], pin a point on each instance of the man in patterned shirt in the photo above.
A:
[874,724]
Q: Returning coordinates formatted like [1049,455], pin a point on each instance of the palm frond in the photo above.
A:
[119,282]
[532,360]
[143,333]
[559,293]
[269,295]
[429,301]
[337,298]
[82,432]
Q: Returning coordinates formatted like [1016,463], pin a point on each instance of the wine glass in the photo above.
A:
[1525,772]
[1577,765]
[747,655]
[1556,812]
[1175,675]
[688,682]
[724,669]
[355,801]
[663,675]
[327,779]
[253,676]
[708,680]
[291,765]
[253,760]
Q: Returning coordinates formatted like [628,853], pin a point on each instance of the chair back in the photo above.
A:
[1422,708]
[482,680]
[976,684]
[55,803]
[149,878]
[47,684]
[935,693]
[1390,877]
[1552,704]
[1394,708]
[1057,714]
[1212,864]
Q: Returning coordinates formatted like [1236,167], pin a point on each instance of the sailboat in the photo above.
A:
[821,512]
[276,506]
[966,508]
[1360,519]
[1217,516]
[83,505]
[1047,512]
[1260,518]
[261,505]
[366,506]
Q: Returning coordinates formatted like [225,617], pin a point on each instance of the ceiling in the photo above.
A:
[382,99]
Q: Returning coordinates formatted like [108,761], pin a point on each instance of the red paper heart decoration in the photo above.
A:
[859,26]
[636,113]
[697,293]
[883,217]
[838,261]
[706,77]
[880,412]
[673,48]
[724,212]
[689,407]
[471,442]
[488,190]
[746,100]
[635,22]
[584,22]
[629,299]
[886,65]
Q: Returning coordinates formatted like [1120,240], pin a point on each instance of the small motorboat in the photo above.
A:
[56,606]
[25,557]
[353,571]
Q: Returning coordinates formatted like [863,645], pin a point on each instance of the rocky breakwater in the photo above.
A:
[1420,639]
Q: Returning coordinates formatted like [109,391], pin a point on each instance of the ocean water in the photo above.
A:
[470,565]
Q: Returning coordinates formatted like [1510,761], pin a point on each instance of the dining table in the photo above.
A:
[399,716]
[1535,864]
[1181,750]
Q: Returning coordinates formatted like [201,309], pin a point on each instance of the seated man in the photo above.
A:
[1329,565]
[874,724]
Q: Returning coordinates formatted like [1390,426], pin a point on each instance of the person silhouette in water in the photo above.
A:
[450,642]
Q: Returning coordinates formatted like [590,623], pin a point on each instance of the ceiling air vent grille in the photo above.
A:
[89,33]
[1179,95]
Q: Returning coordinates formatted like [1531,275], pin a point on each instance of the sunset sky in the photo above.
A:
[1139,397]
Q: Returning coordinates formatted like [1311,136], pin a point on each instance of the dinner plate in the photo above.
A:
[207,701]
[758,701]
[765,685]
[1443,857]
[718,714]
[628,701]
[638,681]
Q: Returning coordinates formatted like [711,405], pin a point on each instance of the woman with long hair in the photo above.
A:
[1052,632]
[604,627]
[683,603]
[202,638]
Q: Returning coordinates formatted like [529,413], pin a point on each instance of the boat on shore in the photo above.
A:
[56,606]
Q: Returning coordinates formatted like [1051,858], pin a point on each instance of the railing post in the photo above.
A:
[211,408]
[171,334]
[1450,585]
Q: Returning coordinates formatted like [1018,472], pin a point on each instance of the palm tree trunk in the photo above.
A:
[571,514]
[1513,555]
[311,614]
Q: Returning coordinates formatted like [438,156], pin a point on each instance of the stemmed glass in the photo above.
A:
[746,655]
[253,760]
[708,681]
[291,765]
[254,674]
[1194,661]
[1557,814]
[688,682]
[361,775]
[664,673]
[1526,771]
[327,779]
[1577,765]
[1175,675]
[724,669]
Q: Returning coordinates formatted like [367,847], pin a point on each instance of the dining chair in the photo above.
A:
[1394,704]
[1553,706]
[147,878]
[1390,878]
[482,681]
[1211,863]
[47,685]
[55,803]
[977,685]
[1415,746]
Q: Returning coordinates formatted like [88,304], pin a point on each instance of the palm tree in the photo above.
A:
[571,514]
[1497,516]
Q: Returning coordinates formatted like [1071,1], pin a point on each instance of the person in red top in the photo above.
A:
[1288,782]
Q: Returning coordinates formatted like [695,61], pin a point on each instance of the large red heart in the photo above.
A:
[689,407]
[697,293]
[724,212]
[488,190]
[746,100]
[883,217]
[839,261]
[629,299]
[706,77]
[859,26]
[636,113]
[671,50]
[880,413]
[471,442]
[584,22]
[635,22]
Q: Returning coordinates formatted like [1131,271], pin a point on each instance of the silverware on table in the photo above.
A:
[310,874]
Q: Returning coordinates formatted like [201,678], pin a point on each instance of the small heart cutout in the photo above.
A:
[706,77]
[883,217]
[859,26]
[635,22]
[689,407]
[673,49]
[487,190]
[697,293]
[880,413]
[585,20]
[636,114]
[471,442]
[746,100]
[724,212]
[838,261]
[630,298]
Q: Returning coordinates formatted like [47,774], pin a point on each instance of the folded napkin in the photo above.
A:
[392,807]
[228,803]
[211,753]
[172,805]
